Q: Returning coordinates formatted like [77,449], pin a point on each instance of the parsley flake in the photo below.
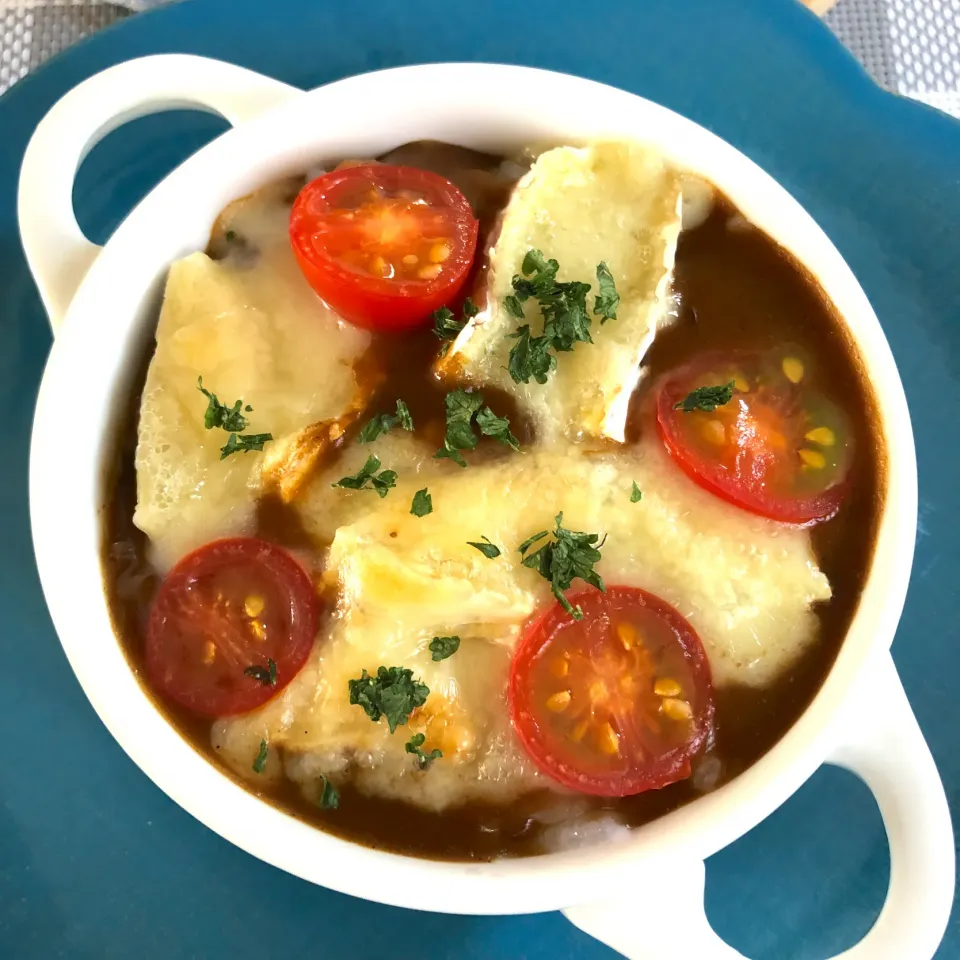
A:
[446,326]
[706,398]
[329,795]
[260,763]
[219,414]
[489,549]
[385,422]
[607,300]
[233,421]
[392,693]
[635,494]
[531,357]
[244,443]
[382,482]
[563,307]
[266,675]
[463,410]
[525,546]
[424,760]
[422,503]
[497,427]
[461,407]
[443,647]
[569,555]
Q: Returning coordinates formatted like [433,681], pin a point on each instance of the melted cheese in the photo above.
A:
[252,328]
[745,583]
[613,202]
[246,324]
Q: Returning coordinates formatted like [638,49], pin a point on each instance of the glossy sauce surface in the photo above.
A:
[736,289]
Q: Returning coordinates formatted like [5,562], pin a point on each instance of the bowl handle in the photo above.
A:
[883,745]
[57,252]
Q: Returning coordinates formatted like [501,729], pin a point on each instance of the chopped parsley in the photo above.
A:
[463,410]
[443,647]
[424,760]
[382,482]
[706,398]
[566,320]
[422,503]
[244,443]
[392,693]
[531,357]
[489,549]
[569,555]
[233,421]
[607,300]
[329,795]
[635,494]
[403,415]
[260,763]
[385,422]
[219,414]
[266,675]
[446,326]
[497,427]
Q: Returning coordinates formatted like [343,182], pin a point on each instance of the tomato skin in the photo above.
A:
[533,724]
[375,302]
[199,640]
[747,479]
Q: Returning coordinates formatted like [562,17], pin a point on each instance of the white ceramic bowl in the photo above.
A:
[103,307]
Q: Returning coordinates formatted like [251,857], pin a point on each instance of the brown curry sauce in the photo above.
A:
[736,289]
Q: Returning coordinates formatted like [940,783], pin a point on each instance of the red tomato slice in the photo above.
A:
[227,607]
[384,246]
[616,703]
[778,448]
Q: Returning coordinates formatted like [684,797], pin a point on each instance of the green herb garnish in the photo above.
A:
[367,474]
[233,421]
[531,357]
[244,443]
[385,422]
[497,427]
[414,744]
[443,647]
[219,414]
[463,409]
[392,693]
[706,398]
[422,503]
[607,300]
[569,555]
[261,761]
[329,795]
[266,675]
[447,327]
[489,549]
[563,306]
[635,494]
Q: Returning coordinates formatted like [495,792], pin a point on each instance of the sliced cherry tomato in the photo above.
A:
[384,246]
[228,607]
[778,448]
[616,703]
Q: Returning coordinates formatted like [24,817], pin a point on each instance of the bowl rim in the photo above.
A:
[479,103]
